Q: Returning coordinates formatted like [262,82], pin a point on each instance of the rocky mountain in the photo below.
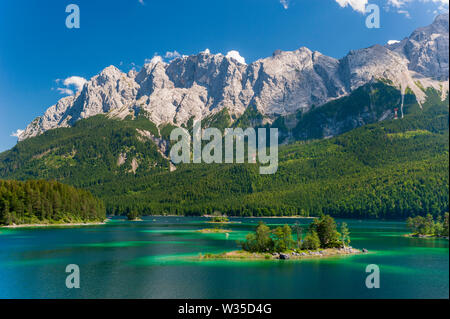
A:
[427,49]
[200,85]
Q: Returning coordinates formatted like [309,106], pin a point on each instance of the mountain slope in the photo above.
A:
[202,85]
[346,153]
[388,169]
[391,169]
[92,152]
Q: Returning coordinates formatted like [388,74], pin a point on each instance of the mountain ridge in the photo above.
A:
[198,86]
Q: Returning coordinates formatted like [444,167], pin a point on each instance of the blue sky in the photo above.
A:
[37,49]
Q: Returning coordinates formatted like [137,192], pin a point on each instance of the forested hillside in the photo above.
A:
[39,202]
[95,151]
[390,169]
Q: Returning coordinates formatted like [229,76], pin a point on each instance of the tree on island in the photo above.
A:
[445,225]
[133,215]
[283,238]
[260,240]
[311,241]
[326,229]
[219,218]
[345,234]
[298,229]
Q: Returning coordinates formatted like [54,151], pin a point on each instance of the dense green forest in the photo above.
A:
[390,169]
[39,202]
[87,153]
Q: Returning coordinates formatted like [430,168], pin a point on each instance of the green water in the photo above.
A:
[153,259]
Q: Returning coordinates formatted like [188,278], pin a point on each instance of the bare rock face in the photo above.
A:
[200,85]
[378,62]
[289,81]
[427,49]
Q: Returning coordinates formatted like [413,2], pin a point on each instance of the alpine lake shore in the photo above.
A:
[39,225]
[288,255]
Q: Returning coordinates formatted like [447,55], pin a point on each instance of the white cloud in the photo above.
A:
[172,55]
[17,133]
[236,55]
[77,81]
[142,2]
[71,85]
[392,42]
[405,12]
[285,4]
[357,5]
[65,91]
[401,4]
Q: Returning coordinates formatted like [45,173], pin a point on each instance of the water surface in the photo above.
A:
[153,259]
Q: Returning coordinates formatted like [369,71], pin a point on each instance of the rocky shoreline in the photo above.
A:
[214,231]
[294,255]
[424,236]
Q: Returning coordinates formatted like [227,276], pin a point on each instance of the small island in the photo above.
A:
[322,240]
[133,216]
[218,218]
[214,231]
[428,227]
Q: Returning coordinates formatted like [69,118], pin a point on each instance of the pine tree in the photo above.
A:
[345,234]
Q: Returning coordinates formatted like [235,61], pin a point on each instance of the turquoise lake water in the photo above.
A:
[153,259]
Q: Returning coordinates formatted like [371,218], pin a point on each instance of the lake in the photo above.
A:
[153,259]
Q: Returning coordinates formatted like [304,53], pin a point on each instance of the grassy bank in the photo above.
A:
[292,255]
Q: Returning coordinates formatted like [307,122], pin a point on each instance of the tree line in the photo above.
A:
[39,201]
[429,226]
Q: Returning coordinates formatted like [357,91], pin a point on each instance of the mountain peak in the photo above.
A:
[110,70]
[443,19]
[427,49]
[288,81]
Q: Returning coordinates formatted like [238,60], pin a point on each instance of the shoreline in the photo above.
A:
[214,231]
[206,216]
[295,216]
[53,225]
[281,217]
[245,256]
[230,222]
[424,236]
